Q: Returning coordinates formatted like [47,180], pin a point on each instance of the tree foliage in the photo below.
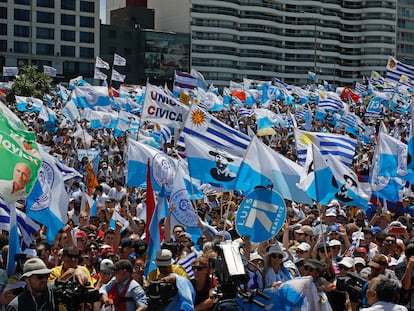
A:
[30,83]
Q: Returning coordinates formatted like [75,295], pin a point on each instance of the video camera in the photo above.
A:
[228,268]
[352,283]
[72,294]
[159,294]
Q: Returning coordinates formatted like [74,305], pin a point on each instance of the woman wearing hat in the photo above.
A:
[275,272]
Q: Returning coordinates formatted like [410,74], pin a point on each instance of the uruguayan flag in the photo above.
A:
[393,158]
[48,201]
[103,120]
[28,104]
[317,178]
[202,125]
[330,101]
[90,96]
[395,69]
[339,146]
[26,226]
[216,164]
[350,190]
[262,166]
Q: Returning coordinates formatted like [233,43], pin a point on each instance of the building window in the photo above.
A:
[86,21]
[25,2]
[46,3]
[45,49]
[86,68]
[68,5]
[45,17]
[21,47]
[66,19]
[21,31]
[3,45]
[3,13]
[87,37]
[3,29]
[87,6]
[67,35]
[21,15]
[86,52]
[45,33]
[67,50]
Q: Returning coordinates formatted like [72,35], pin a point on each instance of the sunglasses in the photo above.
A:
[299,251]
[343,267]
[42,276]
[389,241]
[73,256]
[309,269]
[139,267]
[279,256]
[198,268]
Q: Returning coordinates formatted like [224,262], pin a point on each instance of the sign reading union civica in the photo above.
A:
[261,215]
[162,108]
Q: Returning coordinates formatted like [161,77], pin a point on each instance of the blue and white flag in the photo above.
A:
[339,146]
[27,228]
[213,163]
[395,69]
[62,93]
[330,101]
[28,104]
[183,212]
[393,158]
[99,75]
[90,96]
[351,191]
[200,78]
[266,118]
[202,125]
[71,112]
[50,71]
[245,113]
[163,167]
[317,178]
[48,201]
[103,119]
[208,100]
[78,81]
[14,243]
[388,188]
[410,143]
[127,122]
[263,166]
[376,79]
[183,80]
[271,92]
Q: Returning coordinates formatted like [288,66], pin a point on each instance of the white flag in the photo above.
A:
[99,75]
[100,63]
[116,76]
[10,71]
[119,60]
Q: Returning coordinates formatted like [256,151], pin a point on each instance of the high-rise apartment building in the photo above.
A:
[405,31]
[64,34]
[339,40]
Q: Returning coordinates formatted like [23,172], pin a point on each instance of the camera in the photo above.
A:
[72,294]
[160,293]
[228,268]
[352,283]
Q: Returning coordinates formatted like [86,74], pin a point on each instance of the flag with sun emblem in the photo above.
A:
[201,124]
[340,146]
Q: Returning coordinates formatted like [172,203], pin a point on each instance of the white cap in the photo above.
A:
[347,262]
[334,243]
[304,246]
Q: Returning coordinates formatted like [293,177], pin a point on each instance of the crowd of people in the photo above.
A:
[331,244]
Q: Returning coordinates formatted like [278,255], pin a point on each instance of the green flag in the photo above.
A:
[19,155]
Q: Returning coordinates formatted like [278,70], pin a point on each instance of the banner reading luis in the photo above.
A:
[261,215]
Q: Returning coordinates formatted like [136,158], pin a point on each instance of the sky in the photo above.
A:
[102,11]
